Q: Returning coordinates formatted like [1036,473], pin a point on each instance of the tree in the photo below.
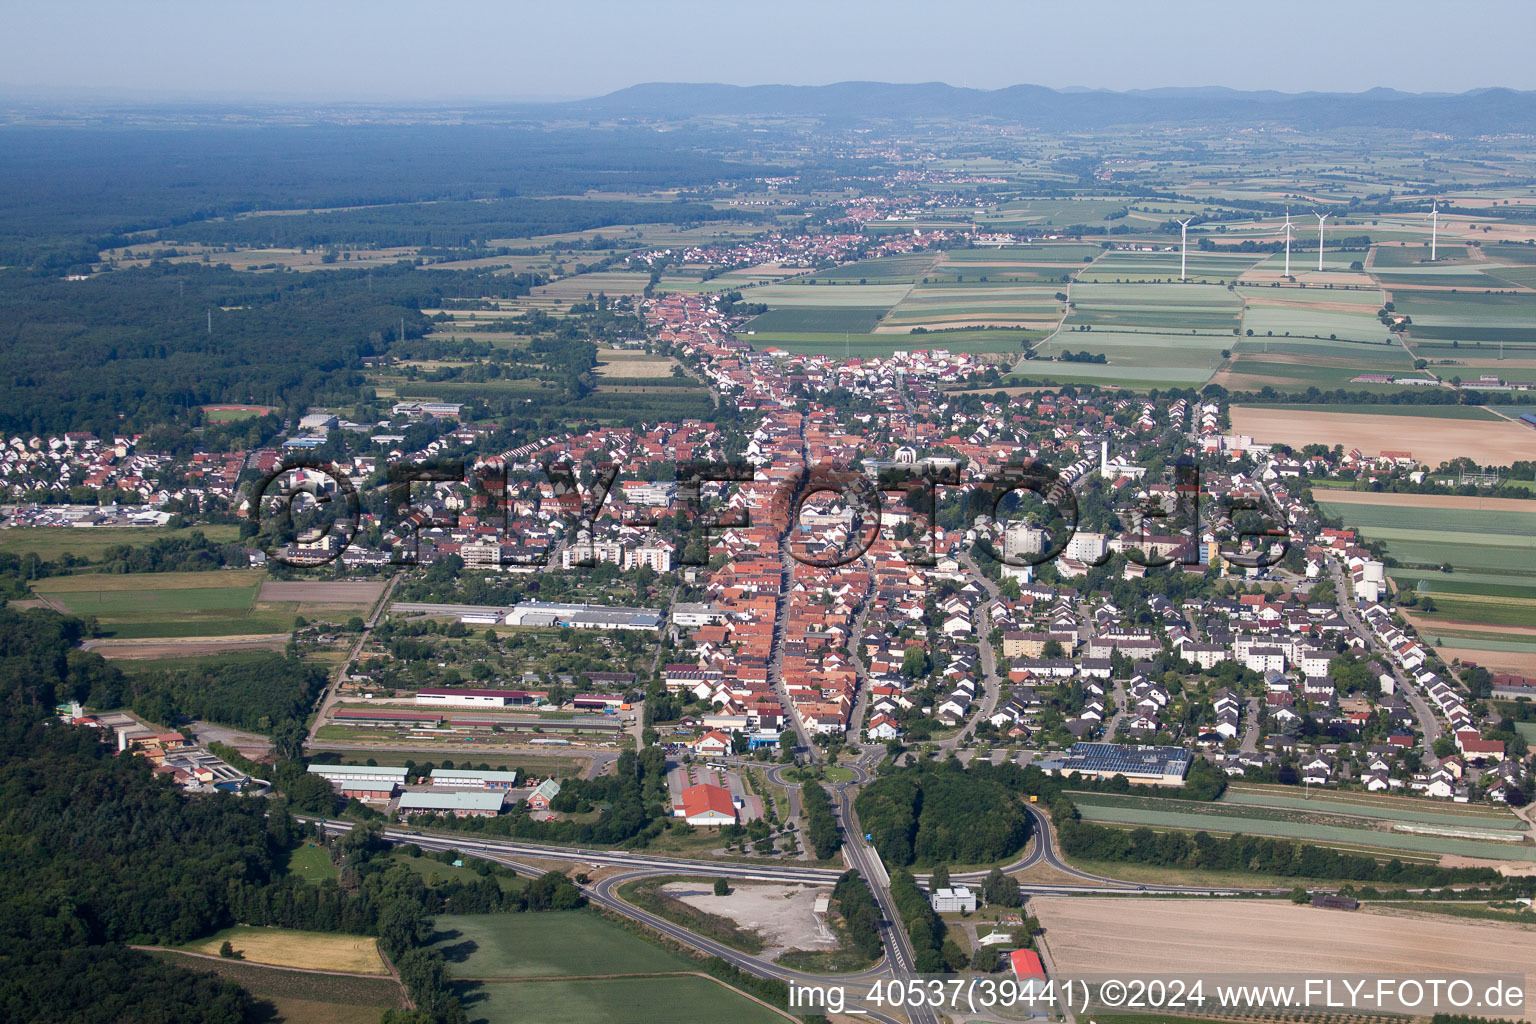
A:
[940,878]
[1052,649]
[229,952]
[722,887]
[1000,890]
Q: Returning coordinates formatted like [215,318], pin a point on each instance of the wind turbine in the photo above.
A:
[1287,241]
[1320,218]
[1183,246]
[1434,228]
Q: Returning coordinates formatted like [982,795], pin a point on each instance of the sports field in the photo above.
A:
[286,947]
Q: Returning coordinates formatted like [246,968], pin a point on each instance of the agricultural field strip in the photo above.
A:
[1316,810]
[1198,821]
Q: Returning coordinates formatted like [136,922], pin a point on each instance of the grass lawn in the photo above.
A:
[287,947]
[546,945]
[435,871]
[312,863]
[300,998]
[49,542]
[676,1000]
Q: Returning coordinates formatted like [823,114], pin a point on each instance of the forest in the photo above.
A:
[101,853]
[66,194]
[933,814]
[450,224]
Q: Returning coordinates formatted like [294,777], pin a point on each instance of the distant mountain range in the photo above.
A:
[1479,112]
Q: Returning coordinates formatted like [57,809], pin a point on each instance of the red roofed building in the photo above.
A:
[1026,963]
[708,805]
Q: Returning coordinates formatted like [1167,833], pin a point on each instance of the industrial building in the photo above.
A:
[584,616]
[473,779]
[707,805]
[467,803]
[955,900]
[362,782]
[1157,766]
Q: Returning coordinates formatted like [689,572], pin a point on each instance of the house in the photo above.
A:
[544,795]
[883,727]
[705,804]
[712,744]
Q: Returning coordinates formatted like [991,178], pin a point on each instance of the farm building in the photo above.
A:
[462,804]
[708,805]
[1158,766]
[540,798]
[473,779]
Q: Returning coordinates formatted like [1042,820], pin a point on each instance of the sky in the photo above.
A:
[514,50]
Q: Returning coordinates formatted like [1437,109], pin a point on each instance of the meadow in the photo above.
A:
[1164,265]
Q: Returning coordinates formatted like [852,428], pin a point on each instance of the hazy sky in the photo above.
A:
[397,50]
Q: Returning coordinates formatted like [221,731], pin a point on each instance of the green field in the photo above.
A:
[545,967]
[817,319]
[547,945]
[677,1000]
[1214,818]
[171,604]
[1491,543]
[50,542]
[877,346]
[957,304]
[885,270]
[1364,805]
[1136,266]
[312,863]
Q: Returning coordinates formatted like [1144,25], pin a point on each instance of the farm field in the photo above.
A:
[866,346]
[1351,831]
[1280,313]
[171,604]
[1466,317]
[688,999]
[542,967]
[1487,541]
[1373,806]
[980,304]
[298,997]
[1169,936]
[1430,439]
[50,542]
[1439,412]
[1137,266]
[546,945]
[817,319]
[884,270]
[285,947]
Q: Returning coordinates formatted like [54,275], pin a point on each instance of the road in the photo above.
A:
[991,682]
[1429,725]
[333,691]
